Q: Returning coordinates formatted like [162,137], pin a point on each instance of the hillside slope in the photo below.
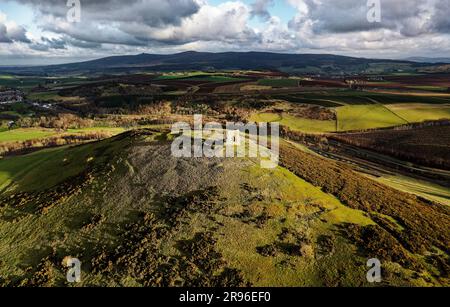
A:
[136,216]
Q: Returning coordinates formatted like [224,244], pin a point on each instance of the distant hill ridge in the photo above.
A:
[191,60]
[429,60]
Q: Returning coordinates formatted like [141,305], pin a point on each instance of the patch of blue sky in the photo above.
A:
[21,14]
[280,8]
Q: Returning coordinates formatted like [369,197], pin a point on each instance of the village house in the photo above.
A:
[10,96]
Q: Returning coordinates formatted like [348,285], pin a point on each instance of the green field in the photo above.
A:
[26,83]
[217,79]
[111,130]
[351,97]
[176,76]
[200,76]
[45,96]
[20,82]
[24,134]
[296,123]
[421,112]
[279,82]
[359,117]
[303,99]
[6,77]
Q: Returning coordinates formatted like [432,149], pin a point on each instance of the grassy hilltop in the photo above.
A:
[136,216]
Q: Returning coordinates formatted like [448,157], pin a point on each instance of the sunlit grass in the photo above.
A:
[296,123]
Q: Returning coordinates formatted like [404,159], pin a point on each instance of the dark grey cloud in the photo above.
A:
[109,21]
[147,12]
[407,17]
[13,34]
[4,34]
[82,44]
[260,8]
[335,17]
[143,23]
[49,43]
[95,33]
[442,16]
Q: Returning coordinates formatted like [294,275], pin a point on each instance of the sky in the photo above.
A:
[38,32]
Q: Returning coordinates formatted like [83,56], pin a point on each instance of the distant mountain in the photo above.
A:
[301,63]
[429,60]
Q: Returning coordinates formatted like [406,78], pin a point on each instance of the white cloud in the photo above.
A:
[319,26]
[342,26]
[11,32]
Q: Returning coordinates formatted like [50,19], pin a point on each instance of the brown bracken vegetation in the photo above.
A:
[418,226]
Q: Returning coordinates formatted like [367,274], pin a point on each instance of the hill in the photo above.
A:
[428,60]
[136,216]
[303,63]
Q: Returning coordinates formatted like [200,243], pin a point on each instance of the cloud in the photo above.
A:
[108,27]
[146,12]
[407,27]
[226,22]
[442,16]
[82,44]
[407,17]
[48,43]
[4,34]
[260,9]
[11,32]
